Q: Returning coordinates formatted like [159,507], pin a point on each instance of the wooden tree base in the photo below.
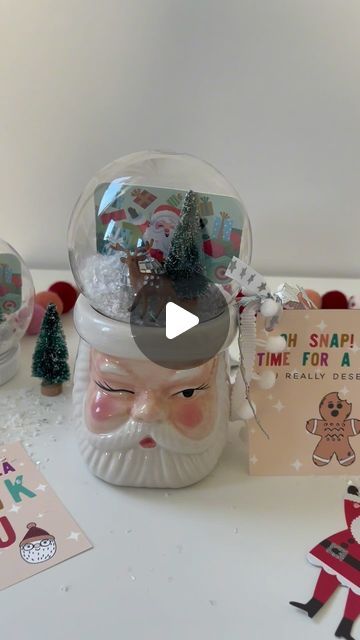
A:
[51,389]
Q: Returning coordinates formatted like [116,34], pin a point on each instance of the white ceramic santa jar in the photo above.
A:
[153,228]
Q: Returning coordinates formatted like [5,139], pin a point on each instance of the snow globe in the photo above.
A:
[16,307]
[151,230]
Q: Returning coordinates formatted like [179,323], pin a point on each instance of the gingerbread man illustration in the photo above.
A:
[335,428]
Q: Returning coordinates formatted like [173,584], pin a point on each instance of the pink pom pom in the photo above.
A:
[45,297]
[36,320]
[315,297]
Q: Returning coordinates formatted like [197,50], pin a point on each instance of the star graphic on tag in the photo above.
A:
[243,272]
[322,326]
[41,487]
[73,536]
[262,286]
[279,406]
[251,279]
[14,508]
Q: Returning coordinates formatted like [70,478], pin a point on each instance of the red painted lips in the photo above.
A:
[147,443]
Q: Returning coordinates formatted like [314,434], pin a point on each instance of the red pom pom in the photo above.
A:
[45,297]
[334,300]
[66,292]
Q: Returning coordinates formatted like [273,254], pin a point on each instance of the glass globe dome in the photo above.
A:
[16,307]
[124,223]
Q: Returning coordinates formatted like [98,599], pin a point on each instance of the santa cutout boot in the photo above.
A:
[344,629]
[352,610]
[311,608]
[324,589]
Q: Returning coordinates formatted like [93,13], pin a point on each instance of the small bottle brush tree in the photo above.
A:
[50,356]
[183,264]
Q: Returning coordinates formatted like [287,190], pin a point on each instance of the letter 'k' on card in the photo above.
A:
[36,531]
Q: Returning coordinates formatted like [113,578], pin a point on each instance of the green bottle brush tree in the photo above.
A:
[50,358]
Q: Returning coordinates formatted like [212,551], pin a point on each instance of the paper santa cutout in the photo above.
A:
[338,556]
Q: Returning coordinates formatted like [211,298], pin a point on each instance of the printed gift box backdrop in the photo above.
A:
[312,414]
[135,213]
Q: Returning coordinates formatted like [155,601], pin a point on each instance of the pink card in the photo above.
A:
[312,414]
[36,531]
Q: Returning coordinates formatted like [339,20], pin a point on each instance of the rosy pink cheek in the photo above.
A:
[103,407]
[189,416]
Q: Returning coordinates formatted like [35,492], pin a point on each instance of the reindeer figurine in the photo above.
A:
[146,285]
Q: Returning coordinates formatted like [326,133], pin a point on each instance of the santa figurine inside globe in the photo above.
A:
[150,240]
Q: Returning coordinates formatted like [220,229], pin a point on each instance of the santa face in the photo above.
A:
[161,231]
[150,426]
[38,550]
[166,225]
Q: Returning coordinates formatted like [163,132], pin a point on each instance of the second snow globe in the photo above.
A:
[150,240]
[16,307]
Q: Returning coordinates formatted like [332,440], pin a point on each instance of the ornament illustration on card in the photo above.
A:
[36,531]
[313,414]
[338,557]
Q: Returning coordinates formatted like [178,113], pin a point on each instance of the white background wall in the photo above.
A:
[267,90]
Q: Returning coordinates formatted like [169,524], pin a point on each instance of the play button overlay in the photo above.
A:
[178,320]
[179,333]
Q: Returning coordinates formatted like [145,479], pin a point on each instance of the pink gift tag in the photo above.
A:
[36,531]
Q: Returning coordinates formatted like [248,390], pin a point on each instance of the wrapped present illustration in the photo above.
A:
[108,216]
[175,199]
[5,274]
[142,197]
[10,283]
[130,234]
[133,213]
[227,230]
[222,226]
[206,206]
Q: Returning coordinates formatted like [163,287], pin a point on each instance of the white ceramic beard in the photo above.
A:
[35,556]
[175,462]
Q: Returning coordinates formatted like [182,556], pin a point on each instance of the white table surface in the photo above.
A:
[219,560]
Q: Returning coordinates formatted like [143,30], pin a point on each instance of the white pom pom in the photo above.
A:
[266,380]
[270,308]
[276,344]
[245,411]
